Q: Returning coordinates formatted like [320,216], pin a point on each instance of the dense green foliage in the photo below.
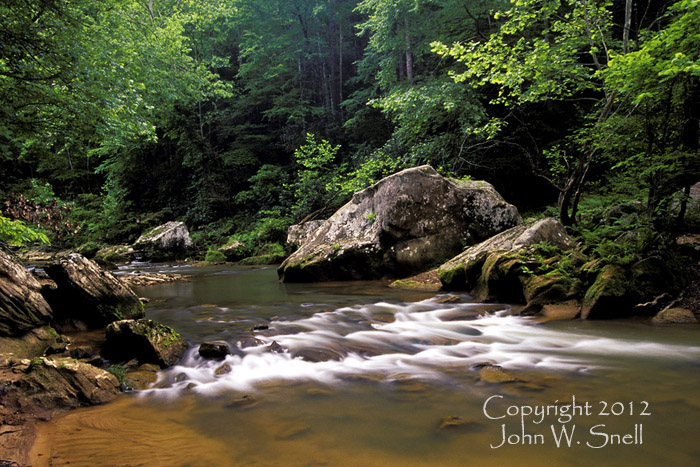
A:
[241,117]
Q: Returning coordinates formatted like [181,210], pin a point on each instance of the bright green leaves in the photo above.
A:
[313,189]
[15,233]
[666,56]
[539,52]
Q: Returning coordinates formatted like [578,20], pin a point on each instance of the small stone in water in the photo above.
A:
[180,378]
[245,401]
[291,431]
[275,347]
[449,299]
[214,350]
[249,342]
[260,327]
[223,369]
[495,374]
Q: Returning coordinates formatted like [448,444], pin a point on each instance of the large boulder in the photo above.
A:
[145,340]
[87,294]
[165,242]
[403,224]
[22,307]
[42,385]
[464,271]
[298,234]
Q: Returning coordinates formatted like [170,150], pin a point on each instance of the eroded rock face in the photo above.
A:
[145,340]
[22,307]
[298,234]
[401,225]
[165,242]
[88,294]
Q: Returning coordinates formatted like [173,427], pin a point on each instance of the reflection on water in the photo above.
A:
[364,375]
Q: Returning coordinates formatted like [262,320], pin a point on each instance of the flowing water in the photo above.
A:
[358,374]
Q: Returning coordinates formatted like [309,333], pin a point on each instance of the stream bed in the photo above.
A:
[359,374]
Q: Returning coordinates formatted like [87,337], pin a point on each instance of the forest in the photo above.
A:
[242,117]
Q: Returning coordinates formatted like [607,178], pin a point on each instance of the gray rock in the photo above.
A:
[22,307]
[88,294]
[167,241]
[403,224]
[298,234]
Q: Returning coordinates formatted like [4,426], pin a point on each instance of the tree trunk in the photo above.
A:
[627,27]
[571,193]
[409,56]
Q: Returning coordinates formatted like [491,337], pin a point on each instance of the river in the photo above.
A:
[368,374]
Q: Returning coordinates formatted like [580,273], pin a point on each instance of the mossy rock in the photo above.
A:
[215,257]
[262,260]
[35,343]
[655,275]
[501,278]
[611,295]
[270,253]
[234,250]
[675,316]
[553,287]
[145,340]
[454,278]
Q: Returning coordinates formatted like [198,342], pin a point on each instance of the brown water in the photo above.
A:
[400,363]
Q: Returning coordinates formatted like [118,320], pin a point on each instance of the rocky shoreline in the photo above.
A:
[74,337]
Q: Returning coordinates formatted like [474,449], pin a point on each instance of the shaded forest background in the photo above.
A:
[240,117]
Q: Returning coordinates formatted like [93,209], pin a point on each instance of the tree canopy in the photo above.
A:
[242,116]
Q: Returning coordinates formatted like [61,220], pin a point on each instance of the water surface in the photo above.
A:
[361,374]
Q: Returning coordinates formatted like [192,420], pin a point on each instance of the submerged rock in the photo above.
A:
[88,294]
[22,307]
[317,354]
[402,225]
[145,340]
[165,242]
[223,370]
[490,373]
[451,422]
